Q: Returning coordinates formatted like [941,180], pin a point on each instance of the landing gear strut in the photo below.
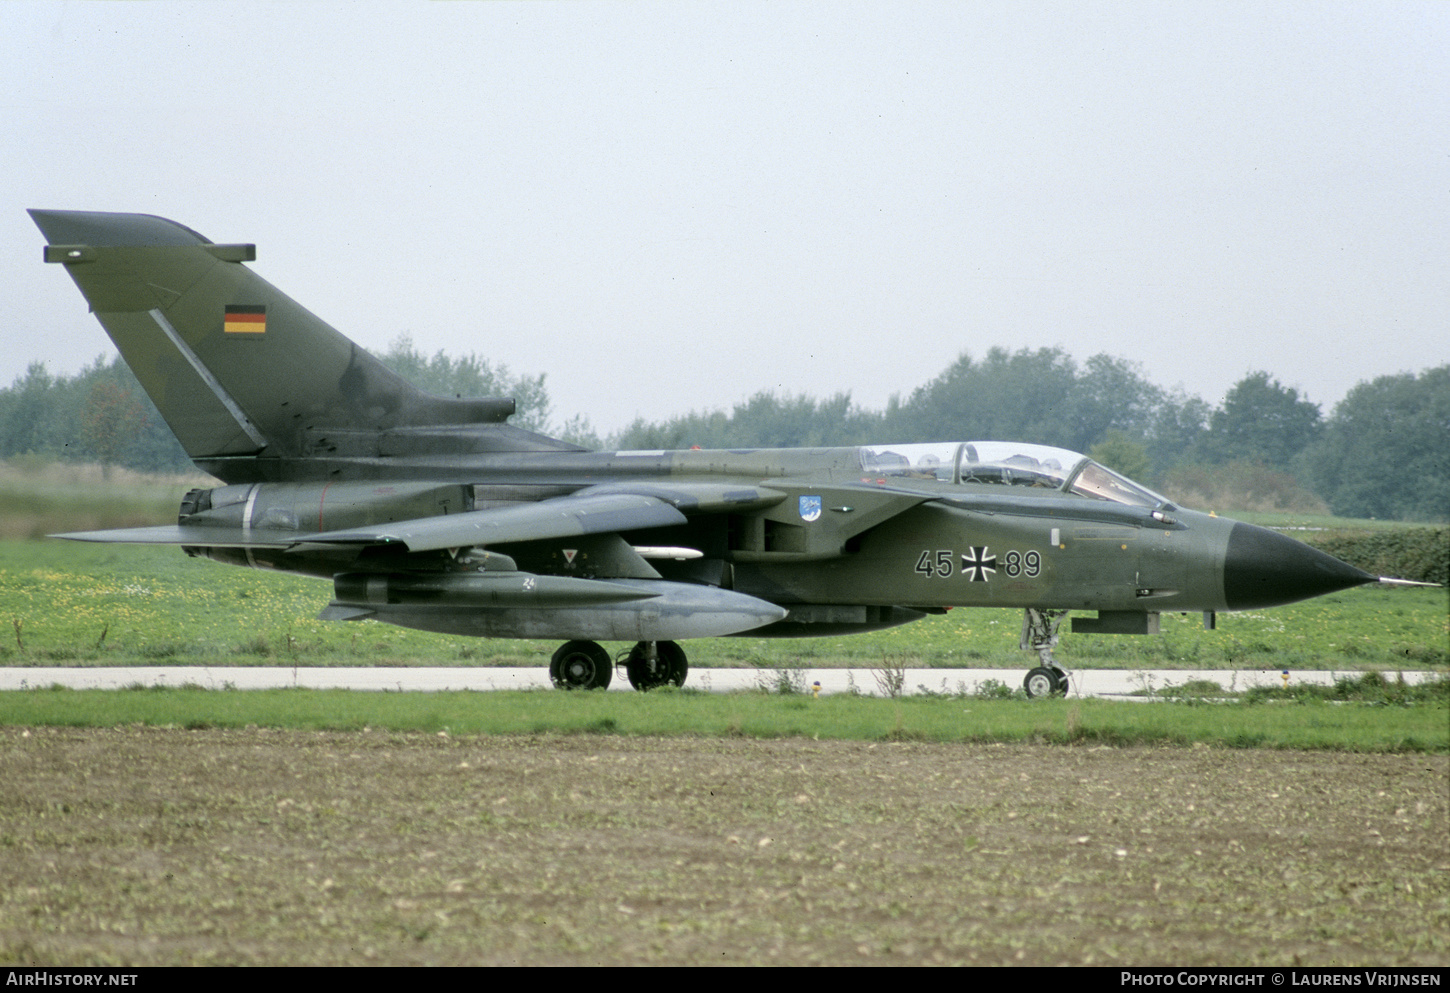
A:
[656,663]
[1039,634]
[581,665]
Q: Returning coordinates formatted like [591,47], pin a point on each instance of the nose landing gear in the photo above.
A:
[1039,634]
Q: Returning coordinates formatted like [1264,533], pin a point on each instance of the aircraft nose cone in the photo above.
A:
[1262,568]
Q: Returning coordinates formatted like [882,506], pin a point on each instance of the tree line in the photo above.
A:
[1384,451]
[103,415]
[1381,452]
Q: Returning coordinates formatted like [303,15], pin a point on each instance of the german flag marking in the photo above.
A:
[245,319]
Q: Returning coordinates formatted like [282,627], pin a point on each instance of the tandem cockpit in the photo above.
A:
[1001,463]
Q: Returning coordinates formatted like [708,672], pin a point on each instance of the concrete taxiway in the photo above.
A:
[1085,682]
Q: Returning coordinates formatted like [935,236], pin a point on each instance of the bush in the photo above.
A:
[1239,486]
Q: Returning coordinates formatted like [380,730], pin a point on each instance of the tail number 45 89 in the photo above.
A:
[978,564]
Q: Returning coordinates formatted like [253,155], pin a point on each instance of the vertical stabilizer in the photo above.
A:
[235,366]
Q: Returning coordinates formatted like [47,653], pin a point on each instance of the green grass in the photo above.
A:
[72,603]
[1365,724]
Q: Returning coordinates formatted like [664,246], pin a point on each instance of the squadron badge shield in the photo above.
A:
[810,508]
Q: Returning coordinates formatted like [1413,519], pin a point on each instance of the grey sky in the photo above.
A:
[672,206]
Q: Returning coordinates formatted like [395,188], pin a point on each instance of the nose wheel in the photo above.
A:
[1043,681]
[1039,634]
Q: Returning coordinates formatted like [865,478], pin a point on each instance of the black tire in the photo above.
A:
[1043,681]
[672,668]
[581,665]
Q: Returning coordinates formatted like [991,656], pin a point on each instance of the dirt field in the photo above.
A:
[147,846]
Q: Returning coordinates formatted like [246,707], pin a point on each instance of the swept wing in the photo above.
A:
[597,510]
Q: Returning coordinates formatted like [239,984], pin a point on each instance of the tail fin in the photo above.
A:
[238,368]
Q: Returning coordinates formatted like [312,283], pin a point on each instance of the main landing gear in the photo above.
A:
[656,663]
[1039,634]
[581,665]
[585,665]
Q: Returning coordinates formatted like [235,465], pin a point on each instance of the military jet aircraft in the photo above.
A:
[436,513]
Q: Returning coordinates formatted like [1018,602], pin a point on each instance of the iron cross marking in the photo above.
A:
[977,565]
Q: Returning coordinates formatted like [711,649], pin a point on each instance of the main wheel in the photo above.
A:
[670,667]
[1043,681]
[581,665]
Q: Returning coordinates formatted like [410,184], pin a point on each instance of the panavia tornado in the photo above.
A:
[435,513]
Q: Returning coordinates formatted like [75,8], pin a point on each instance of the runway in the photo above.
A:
[1106,683]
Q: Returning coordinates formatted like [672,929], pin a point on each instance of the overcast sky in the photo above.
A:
[672,206]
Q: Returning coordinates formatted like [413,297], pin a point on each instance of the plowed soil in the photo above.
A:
[149,846]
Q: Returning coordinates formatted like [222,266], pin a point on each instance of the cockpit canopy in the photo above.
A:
[1005,463]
